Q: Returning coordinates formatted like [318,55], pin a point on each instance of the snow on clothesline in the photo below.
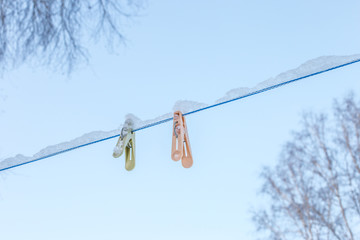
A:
[312,66]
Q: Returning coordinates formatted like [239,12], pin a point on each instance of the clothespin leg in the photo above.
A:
[130,154]
[119,148]
[187,160]
[177,137]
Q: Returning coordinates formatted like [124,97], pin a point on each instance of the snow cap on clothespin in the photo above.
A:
[186,106]
[180,148]
[126,142]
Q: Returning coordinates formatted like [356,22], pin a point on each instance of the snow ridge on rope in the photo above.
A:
[188,113]
[249,94]
[60,152]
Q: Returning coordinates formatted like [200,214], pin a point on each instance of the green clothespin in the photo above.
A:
[126,141]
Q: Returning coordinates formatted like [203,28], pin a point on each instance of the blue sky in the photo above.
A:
[188,50]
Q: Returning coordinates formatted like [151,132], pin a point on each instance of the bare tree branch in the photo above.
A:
[55,32]
[315,189]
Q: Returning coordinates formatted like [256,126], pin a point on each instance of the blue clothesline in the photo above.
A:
[188,113]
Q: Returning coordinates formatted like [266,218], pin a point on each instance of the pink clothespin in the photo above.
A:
[180,141]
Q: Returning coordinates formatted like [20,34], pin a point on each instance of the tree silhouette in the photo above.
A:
[314,191]
[57,31]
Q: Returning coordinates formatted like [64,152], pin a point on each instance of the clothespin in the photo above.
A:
[126,141]
[180,141]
